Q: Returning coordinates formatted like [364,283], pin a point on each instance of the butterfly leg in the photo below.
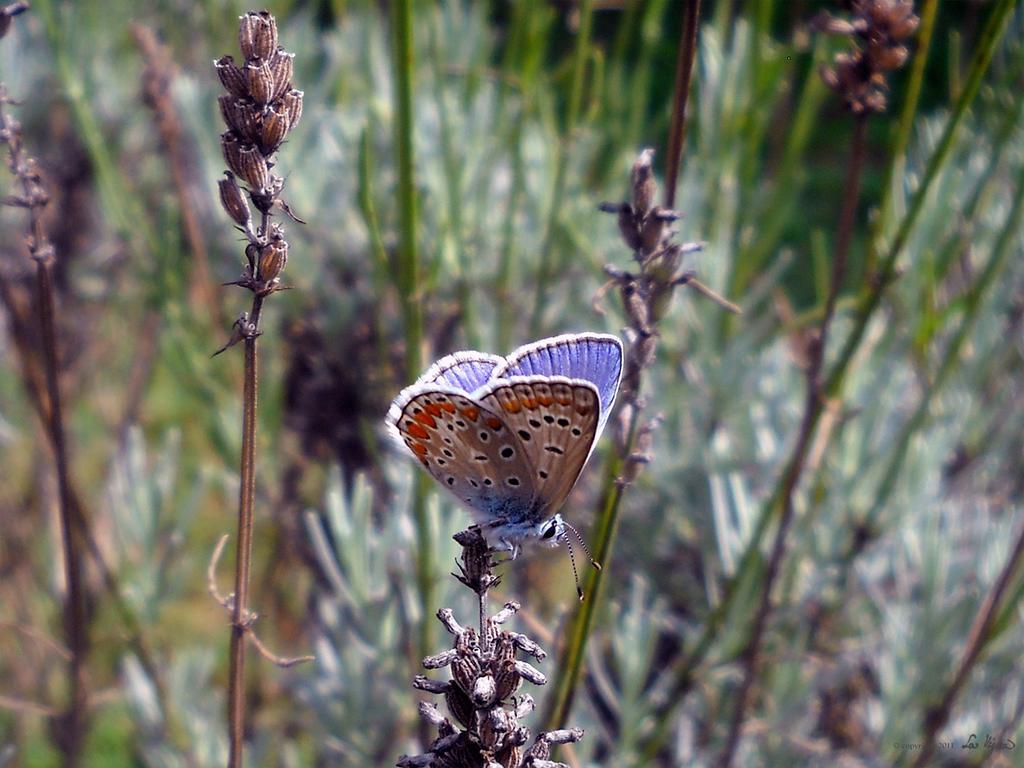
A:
[505,546]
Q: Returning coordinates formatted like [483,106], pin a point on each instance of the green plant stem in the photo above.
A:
[885,273]
[571,658]
[453,186]
[409,272]
[812,412]
[895,168]
[562,164]
[240,618]
[408,257]
[570,661]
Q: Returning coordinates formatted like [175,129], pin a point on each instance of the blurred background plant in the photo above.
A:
[524,116]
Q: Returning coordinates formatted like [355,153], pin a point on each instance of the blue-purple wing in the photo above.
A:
[467,371]
[593,357]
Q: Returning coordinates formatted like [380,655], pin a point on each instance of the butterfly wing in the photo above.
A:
[556,421]
[465,371]
[593,357]
[468,449]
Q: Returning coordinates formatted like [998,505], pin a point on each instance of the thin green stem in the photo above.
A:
[408,257]
[409,270]
[885,273]
[453,187]
[570,661]
[562,165]
[897,163]
[812,412]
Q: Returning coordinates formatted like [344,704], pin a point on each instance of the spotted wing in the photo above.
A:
[593,357]
[467,447]
[556,420]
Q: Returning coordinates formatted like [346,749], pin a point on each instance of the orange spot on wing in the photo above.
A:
[448,407]
[419,448]
[493,423]
[529,402]
[512,406]
[564,400]
[416,430]
[544,400]
[471,412]
[432,408]
[426,419]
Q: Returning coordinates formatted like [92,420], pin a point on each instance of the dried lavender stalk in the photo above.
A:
[260,108]
[485,676]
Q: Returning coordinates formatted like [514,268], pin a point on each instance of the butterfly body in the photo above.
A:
[509,436]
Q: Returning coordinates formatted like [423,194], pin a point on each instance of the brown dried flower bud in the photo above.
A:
[484,691]
[257,35]
[274,130]
[880,26]
[231,77]
[261,81]
[627,222]
[460,706]
[8,12]
[644,185]
[273,257]
[291,102]
[240,116]
[233,200]
[464,671]
[245,161]
[281,64]
[506,679]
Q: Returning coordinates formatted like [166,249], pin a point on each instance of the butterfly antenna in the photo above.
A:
[575,573]
[583,544]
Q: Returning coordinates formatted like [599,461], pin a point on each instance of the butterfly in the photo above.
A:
[509,436]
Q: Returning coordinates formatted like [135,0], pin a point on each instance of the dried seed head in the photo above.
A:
[233,200]
[879,27]
[257,35]
[231,77]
